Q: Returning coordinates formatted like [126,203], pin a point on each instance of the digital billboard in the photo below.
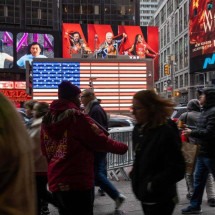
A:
[6,49]
[18,46]
[33,45]
[114,80]
[202,36]
[107,41]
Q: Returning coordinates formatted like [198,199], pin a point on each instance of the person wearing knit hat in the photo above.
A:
[69,139]
[67,90]
[205,162]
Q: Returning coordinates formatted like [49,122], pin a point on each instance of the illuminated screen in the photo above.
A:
[202,36]
[6,49]
[113,82]
[33,45]
[101,41]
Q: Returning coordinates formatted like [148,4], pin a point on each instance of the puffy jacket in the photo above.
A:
[69,139]
[205,131]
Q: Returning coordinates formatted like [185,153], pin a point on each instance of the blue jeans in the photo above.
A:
[101,179]
[204,165]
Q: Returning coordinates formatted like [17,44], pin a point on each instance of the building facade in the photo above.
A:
[49,14]
[147,10]
[177,81]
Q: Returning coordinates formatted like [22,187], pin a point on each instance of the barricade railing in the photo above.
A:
[117,163]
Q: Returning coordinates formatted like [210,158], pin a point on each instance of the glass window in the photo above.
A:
[185,15]
[176,82]
[181,81]
[181,53]
[176,24]
[185,50]
[186,79]
[180,20]
[176,56]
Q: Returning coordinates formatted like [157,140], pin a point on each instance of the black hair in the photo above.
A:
[32,44]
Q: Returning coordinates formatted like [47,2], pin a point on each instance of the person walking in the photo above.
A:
[189,119]
[69,139]
[95,111]
[17,187]
[205,164]
[43,195]
[159,163]
[28,105]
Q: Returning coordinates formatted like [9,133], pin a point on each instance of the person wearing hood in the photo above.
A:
[190,119]
[69,139]
[205,163]
[95,111]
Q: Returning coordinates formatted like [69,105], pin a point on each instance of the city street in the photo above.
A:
[105,206]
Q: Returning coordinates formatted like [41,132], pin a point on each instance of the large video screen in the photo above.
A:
[114,82]
[202,36]
[6,49]
[107,41]
[33,45]
[17,47]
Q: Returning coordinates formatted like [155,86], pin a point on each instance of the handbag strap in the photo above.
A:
[186,117]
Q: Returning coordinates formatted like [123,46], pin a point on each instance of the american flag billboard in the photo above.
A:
[113,81]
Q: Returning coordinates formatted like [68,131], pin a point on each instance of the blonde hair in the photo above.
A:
[109,34]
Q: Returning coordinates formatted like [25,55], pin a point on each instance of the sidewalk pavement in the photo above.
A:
[104,205]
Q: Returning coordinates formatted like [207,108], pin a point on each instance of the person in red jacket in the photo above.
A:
[69,139]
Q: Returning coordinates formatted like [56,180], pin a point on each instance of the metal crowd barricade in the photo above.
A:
[116,163]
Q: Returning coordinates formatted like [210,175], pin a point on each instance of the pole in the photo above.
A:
[172,77]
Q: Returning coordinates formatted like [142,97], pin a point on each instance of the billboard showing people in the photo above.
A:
[6,49]
[105,40]
[111,45]
[202,37]
[141,48]
[33,45]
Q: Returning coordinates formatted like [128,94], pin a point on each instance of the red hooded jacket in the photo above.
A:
[69,139]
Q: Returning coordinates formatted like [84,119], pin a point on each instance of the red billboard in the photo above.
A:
[202,37]
[102,41]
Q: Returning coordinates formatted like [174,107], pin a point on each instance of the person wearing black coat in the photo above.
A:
[97,113]
[159,163]
[205,164]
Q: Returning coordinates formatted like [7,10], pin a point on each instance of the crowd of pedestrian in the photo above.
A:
[60,156]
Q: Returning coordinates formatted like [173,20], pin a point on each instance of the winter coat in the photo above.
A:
[191,117]
[159,163]
[98,114]
[69,139]
[205,131]
[40,161]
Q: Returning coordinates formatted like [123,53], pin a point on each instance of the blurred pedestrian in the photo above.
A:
[205,132]
[28,105]
[40,162]
[159,163]
[69,140]
[94,110]
[17,186]
[189,119]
